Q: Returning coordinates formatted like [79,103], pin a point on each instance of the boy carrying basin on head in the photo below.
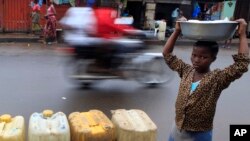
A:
[201,87]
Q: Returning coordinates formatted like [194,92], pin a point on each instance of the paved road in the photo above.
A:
[32,79]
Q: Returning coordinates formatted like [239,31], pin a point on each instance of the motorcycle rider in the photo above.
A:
[99,33]
[107,29]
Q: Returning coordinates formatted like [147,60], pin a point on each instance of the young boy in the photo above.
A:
[201,87]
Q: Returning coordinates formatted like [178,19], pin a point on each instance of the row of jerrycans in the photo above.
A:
[94,125]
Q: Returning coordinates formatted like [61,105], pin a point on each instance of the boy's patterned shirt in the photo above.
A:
[196,112]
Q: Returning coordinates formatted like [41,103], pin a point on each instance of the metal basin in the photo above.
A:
[208,30]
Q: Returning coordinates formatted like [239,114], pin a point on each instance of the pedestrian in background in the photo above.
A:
[196,11]
[51,23]
[228,42]
[175,15]
[200,87]
[180,15]
[35,18]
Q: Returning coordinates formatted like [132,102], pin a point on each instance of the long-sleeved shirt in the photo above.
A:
[195,112]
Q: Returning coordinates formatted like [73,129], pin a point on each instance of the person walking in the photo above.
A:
[51,23]
[35,18]
[175,15]
[201,87]
[228,43]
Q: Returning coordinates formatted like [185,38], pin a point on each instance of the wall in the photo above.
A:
[1,14]
[149,22]
[16,15]
[228,9]
[61,10]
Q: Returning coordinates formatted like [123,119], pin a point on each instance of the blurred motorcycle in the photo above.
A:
[123,55]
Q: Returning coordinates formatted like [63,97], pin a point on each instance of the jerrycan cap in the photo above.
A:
[5,118]
[47,113]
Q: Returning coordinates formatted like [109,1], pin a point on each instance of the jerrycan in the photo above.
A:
[93,125]
[48,126]
[12,128]
[162,26]
[133,125]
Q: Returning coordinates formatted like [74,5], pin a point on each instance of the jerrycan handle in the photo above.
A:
[47,113]
[5,118]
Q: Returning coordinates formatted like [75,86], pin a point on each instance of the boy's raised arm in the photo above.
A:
[243,47]
[169,46]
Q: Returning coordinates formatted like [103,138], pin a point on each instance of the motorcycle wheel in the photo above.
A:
[154,72]
[75,67]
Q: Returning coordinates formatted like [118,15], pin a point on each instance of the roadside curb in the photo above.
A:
[26,38]
[20,40]
[186,42]
[178,42]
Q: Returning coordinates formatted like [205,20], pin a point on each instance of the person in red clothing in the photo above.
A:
[51,23]
[100,34]
[106,27]
[35,16]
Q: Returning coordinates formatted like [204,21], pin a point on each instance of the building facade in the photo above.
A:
[15,14]
[146,11]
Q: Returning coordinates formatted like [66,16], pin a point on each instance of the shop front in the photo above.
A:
[213,9]
[165,10]
[15,14]
[148,11]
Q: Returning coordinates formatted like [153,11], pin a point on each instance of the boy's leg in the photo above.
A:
[203,136]
[170,138]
